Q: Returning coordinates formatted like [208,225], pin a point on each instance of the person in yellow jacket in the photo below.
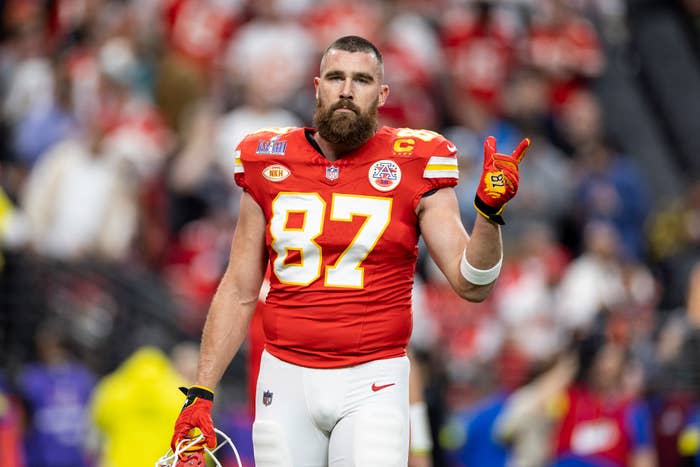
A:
[134,408]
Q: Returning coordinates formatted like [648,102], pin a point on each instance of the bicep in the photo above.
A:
[248,257]
[442,230]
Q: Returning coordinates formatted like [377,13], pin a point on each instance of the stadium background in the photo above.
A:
[118,122]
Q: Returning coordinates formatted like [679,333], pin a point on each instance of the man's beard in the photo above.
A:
[345,129]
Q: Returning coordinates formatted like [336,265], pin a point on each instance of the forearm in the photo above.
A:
[484,249]
[236,297]
[483,252]
[224,330]
[447,241]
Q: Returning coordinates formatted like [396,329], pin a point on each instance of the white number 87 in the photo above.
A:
[346,272]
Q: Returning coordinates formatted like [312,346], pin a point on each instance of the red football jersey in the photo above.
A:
[342,239]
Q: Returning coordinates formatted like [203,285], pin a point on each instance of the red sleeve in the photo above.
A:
[441,168]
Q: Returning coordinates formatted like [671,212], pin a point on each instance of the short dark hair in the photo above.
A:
[355,44]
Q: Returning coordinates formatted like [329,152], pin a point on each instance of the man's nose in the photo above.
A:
[346,90]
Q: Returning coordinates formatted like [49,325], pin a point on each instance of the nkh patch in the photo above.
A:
[272,146]
[332,172]
[384,175]
[276,172]
[267,398]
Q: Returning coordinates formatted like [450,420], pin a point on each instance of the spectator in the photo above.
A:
[609,186]
[674,237]
[134,407]
[56,390]
[602,422]
[565,46]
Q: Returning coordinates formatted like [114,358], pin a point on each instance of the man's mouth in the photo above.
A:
[345,108]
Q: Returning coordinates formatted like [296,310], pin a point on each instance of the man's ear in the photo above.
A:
[317,80]
[383,95]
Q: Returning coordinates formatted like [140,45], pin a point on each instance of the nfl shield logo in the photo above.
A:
[332,172]
[267,398]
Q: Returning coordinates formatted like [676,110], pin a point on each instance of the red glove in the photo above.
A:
[499,179]
[196,413]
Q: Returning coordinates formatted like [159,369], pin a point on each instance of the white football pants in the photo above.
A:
[340,417]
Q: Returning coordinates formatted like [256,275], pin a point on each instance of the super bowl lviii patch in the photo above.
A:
[271,147]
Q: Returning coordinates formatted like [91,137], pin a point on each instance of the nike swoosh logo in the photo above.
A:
[376,388]
[452,148]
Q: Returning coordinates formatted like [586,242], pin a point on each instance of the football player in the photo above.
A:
[336,211]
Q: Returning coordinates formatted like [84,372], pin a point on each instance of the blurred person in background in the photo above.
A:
[675,383]
[602,420]
[29,81]
[56,390]
[608,184]
[81,197]
[674,243]
[196,33]
[564,45]
[132,409]
[45,123]
[479,40]
[526,106]
[525,297]
[509,428]
[686,358]
[679,378]
[318,340]
[593,283]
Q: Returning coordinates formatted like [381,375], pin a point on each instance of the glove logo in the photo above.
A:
[267,398]
[495,184]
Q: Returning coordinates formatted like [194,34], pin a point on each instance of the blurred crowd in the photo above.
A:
[119,120]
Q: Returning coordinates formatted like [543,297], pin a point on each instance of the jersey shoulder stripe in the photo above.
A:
[441,167]
[238,167]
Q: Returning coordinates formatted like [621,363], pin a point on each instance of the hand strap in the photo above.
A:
[196,392]
[489,212]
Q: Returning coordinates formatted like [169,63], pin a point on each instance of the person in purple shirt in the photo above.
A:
[55,390]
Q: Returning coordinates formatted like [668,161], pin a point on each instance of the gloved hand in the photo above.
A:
[195,414]
[499,179]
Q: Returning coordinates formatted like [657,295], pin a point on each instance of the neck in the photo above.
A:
[333,151]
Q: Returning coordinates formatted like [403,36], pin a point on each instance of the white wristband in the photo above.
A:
[479,276]
[421,440]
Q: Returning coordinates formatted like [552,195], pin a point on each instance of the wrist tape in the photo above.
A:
[479,276]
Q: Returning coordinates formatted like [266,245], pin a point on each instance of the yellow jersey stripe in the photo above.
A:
[238,166]
[448,160]
[440,167]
